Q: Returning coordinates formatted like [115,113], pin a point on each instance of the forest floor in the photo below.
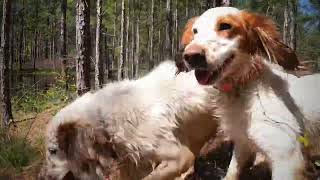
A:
[32,132]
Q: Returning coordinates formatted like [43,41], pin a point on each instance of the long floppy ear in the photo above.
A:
[74,138]
[269,41]
[66,135]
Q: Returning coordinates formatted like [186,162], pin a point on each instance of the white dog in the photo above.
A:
[159,121]
[262,108]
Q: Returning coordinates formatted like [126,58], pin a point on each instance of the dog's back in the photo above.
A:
[141,119]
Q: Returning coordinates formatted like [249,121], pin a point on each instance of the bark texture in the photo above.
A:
[4,64]
[83,46]
[63,41]
[121,63]
[99,69]
[169,30]
[290,24]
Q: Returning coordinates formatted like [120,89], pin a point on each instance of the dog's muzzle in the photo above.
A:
[194,57]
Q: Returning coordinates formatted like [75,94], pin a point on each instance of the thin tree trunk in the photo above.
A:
[34,54]
[137,53]
[110,73]
[187,9]
[12,44]
[169,26]
[99,69]
[290,24]
[151,59]
[83,46]
[121,64]
[63,42]
[21,40]
[107,54]
[133,38]
[286,23]
[175,46]
[293,24]
[4,64]
[126,70]
[160,39]
[47,38]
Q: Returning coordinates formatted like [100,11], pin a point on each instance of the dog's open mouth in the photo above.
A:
[207,77]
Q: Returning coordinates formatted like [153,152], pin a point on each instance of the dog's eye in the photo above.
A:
[52,151]
[195,31]
[224,26]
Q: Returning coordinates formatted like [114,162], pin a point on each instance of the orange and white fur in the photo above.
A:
[260,104]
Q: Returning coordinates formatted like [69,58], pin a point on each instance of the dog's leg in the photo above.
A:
[173,167]
[232,172]
[240,157]
[282,149]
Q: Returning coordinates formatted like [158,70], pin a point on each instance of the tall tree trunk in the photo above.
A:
[99,69]
[151,59]
[126,70]
[35,44]
[169,31]
[285,34]
[4,64]
[160,50]
[107,55]
[63,42]
[21,39]
[290,24]
[137,53]
[34,54]
[47,38]
[176,30]
[121,64]
[293,24]
[187,9]
[12,43]
[83,46]
[114,43]
[133,38]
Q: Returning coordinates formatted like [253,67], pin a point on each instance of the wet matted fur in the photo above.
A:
[149,128]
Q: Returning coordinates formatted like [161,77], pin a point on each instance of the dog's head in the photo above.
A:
[226,43]
[78,151]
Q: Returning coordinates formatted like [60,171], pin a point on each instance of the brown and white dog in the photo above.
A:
[154,127]
[263,109]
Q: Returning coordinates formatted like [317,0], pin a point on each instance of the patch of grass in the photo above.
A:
[15,153]
[38,101]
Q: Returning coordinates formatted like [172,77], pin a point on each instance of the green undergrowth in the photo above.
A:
[15,152]
[36,101]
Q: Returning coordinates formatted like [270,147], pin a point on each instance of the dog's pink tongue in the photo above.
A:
[202,76]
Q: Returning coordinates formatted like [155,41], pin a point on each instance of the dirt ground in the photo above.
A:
[211,165]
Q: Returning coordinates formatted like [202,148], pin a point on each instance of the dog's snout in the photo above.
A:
[194,55]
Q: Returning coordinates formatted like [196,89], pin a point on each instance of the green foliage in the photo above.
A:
[309,46]
[15,152]
[37,101]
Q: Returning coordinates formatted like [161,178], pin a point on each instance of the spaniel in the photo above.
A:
[263,108]
[151,128]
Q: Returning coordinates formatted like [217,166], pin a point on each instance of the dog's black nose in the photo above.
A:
[194,56]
